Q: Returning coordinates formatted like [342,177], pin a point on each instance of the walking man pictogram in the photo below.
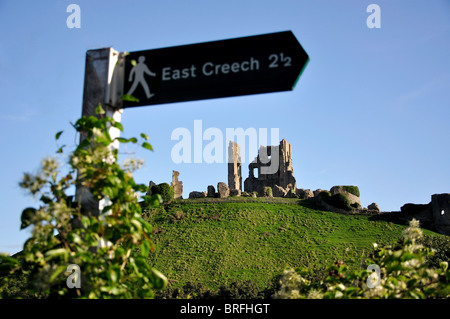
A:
[139,70]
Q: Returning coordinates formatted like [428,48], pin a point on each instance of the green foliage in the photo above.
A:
[325,195]
[246,289]
[291,193]
[239,289]
[352,190]
[441,248]
[165,190]
[17,286]
[340,201]
[191,290]
[102,243]
[268,191]
[337,200]
[404,273]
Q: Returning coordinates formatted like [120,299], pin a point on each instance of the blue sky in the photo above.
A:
[371,108]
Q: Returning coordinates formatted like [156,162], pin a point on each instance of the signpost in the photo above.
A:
[249,65]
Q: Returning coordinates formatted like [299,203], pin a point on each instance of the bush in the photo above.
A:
[236,290]
[18,286]
[352,190]
[325,195]
[404,271]
[240,290]
[189,291]
[441,247]
[340,201]
[165,190]
[337,200]
[268,191]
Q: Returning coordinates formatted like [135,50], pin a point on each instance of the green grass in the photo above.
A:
[215,242]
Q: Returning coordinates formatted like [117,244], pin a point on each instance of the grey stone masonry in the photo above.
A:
[234,167]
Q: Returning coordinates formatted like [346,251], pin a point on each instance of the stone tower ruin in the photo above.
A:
[177,185]
[234,167]
[278,161]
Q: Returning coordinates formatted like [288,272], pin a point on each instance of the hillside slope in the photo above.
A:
[215,242]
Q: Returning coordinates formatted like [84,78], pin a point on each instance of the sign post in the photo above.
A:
[102,85]
[249,65]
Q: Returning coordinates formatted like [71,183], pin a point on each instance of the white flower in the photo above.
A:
[413,232]
[132,164]
[338,294]
[374,292]
[412,263]
[315,294]
[414,223]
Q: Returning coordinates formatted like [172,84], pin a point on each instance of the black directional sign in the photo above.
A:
[249,65]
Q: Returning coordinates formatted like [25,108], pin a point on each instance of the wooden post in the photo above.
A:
[103,84]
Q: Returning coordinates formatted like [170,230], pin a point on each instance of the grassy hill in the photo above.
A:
[216,242]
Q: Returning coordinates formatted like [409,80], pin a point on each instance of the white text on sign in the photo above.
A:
[210,68]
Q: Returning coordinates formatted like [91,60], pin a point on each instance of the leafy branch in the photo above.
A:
[111,245]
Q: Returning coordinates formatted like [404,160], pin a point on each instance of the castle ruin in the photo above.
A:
[272,167]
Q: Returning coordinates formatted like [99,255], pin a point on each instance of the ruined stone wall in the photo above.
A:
[283,174]
[435,214]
